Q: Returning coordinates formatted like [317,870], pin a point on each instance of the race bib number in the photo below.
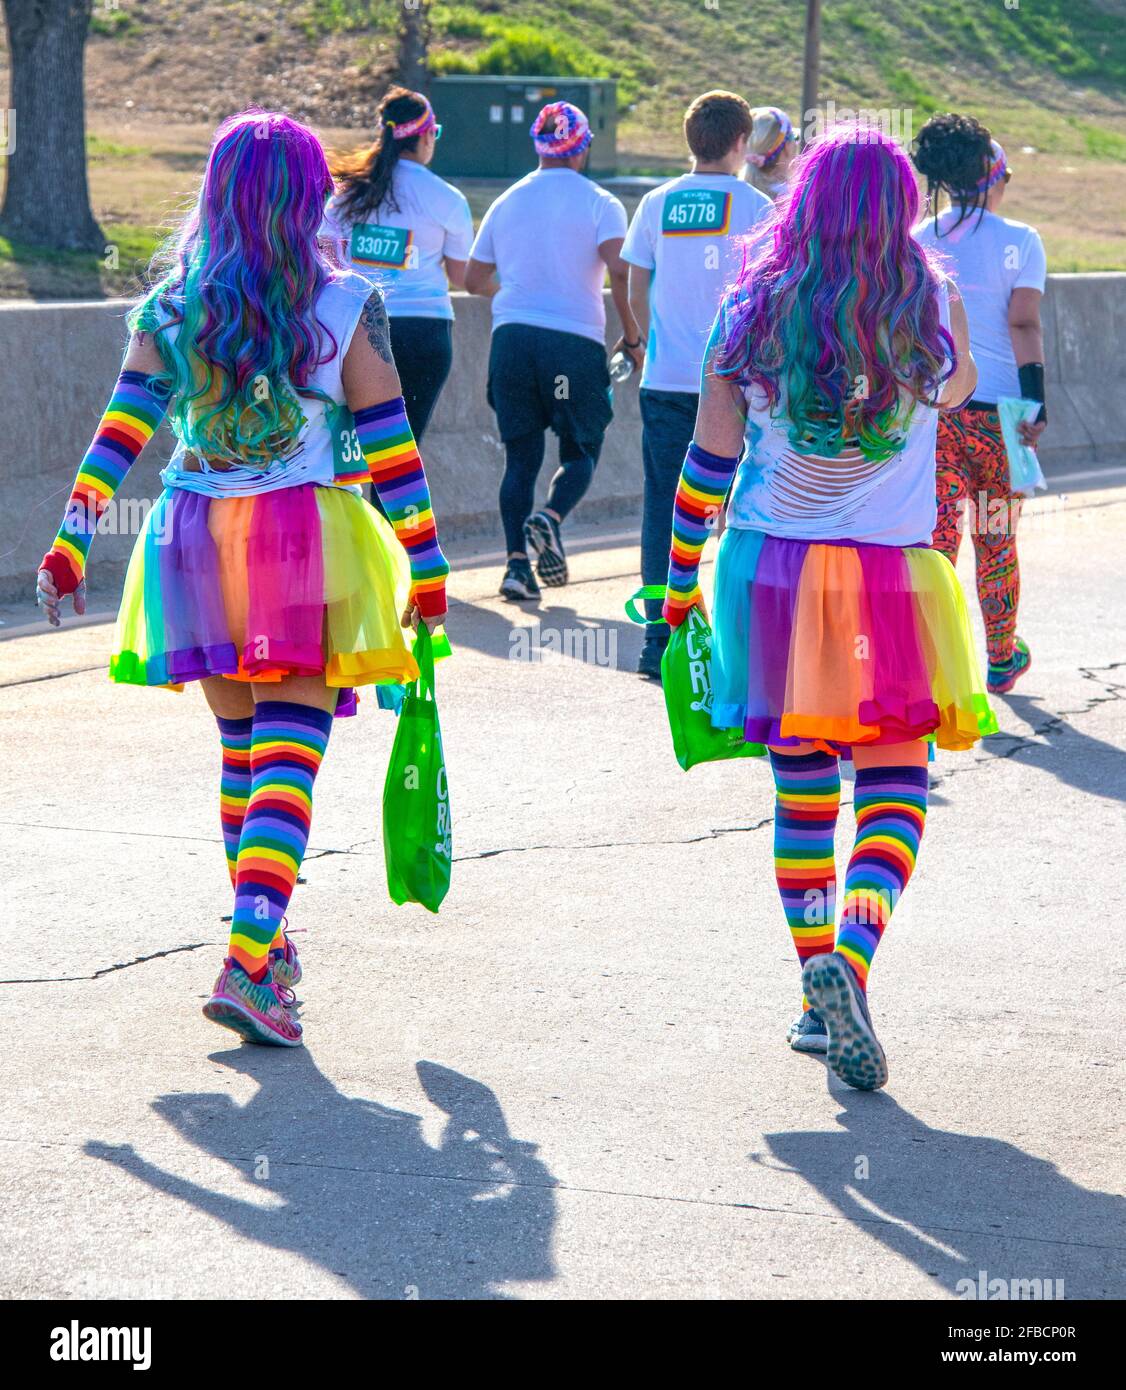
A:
[347,456]
[382,246]
[696,212]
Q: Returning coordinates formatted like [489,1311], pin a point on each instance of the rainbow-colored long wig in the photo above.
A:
[835,316]
[242,279]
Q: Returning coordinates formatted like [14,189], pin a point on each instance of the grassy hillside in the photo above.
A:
[1048,76]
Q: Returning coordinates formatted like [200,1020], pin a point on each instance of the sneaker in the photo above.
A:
[256,1012]
[1002,678]
[854,1051]
[519,582]
[541,532]
[808,1033]
[649,662]
[285,966]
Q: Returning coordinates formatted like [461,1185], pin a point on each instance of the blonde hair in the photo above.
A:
[771,132]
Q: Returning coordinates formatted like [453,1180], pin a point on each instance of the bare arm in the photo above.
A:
[618,271]
[368,373]
[481,278]
[455,272]
[961,385]
[142,355]
[1025,328]
[1027,335]
[639,298]
[397,473]
[721,417]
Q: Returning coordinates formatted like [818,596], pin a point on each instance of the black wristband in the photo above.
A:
[1031,378]
[631,346]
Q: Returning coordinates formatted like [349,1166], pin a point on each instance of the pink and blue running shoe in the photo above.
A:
[256,1012]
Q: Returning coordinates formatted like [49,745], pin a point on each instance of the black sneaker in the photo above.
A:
[519,583]
[541,532]
[649,662]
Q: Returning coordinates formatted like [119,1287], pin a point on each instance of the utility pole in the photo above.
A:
[812,65]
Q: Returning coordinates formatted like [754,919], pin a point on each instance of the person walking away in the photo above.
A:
[542,253]
[684,247]
[1000,268]
[394,221]
[837,628]
[260,573]
[771,151]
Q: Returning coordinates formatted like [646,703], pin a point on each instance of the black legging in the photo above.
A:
[523,461]
[423,353]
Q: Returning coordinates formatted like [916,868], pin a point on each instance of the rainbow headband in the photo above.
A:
[570,133]
[786,133]
[403,130]
[997,169]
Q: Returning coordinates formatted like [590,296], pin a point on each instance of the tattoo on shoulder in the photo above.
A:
[375,323]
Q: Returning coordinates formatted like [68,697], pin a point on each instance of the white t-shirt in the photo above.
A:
[403,251]
[310,458]
[804,497]
[688,233]
[987,260]
[543,235]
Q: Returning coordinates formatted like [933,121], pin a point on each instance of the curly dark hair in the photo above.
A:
[952,153]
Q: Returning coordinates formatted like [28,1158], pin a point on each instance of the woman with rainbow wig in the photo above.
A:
[838,630]
[260,572]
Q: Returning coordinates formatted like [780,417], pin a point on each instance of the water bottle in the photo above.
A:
[621,366]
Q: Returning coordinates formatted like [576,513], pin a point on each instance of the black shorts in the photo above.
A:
[542,379]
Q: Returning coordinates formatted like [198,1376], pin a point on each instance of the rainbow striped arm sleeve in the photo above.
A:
[704,481]
[400,480]
[132,417]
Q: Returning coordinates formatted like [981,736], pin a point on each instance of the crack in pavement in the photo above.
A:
[1111,691]
[121,1159]
[54,676]
[110,969]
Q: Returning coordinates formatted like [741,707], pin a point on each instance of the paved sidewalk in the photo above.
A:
[573,1082]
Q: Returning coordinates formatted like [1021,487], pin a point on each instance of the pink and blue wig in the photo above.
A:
[835,316]
[242,280]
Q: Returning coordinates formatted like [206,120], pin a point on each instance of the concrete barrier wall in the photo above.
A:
[59,361]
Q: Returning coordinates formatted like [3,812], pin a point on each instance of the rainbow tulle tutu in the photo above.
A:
[842,643]
[302,581]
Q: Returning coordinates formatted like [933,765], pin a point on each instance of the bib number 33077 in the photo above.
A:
[388,247]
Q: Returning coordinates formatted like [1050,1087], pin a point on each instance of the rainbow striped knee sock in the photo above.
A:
[234,783]
[891,810]
[808,798]
[288,745]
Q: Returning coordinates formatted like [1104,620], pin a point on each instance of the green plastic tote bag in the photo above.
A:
[686,676]
[417,838]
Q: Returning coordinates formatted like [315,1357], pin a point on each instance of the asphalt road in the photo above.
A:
[573,1081]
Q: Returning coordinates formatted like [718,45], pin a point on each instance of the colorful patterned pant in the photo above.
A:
[973,490]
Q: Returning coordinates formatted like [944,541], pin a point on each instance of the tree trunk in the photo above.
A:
[47,199]
[414,35]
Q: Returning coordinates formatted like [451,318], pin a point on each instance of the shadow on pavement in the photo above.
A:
[949,1202]
[1075,758]
[354,1186]
[543,631]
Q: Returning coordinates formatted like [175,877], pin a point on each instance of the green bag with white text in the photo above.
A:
[417,835]
[686,676]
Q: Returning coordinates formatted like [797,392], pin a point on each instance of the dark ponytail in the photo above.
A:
[953,154]
[364,177]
